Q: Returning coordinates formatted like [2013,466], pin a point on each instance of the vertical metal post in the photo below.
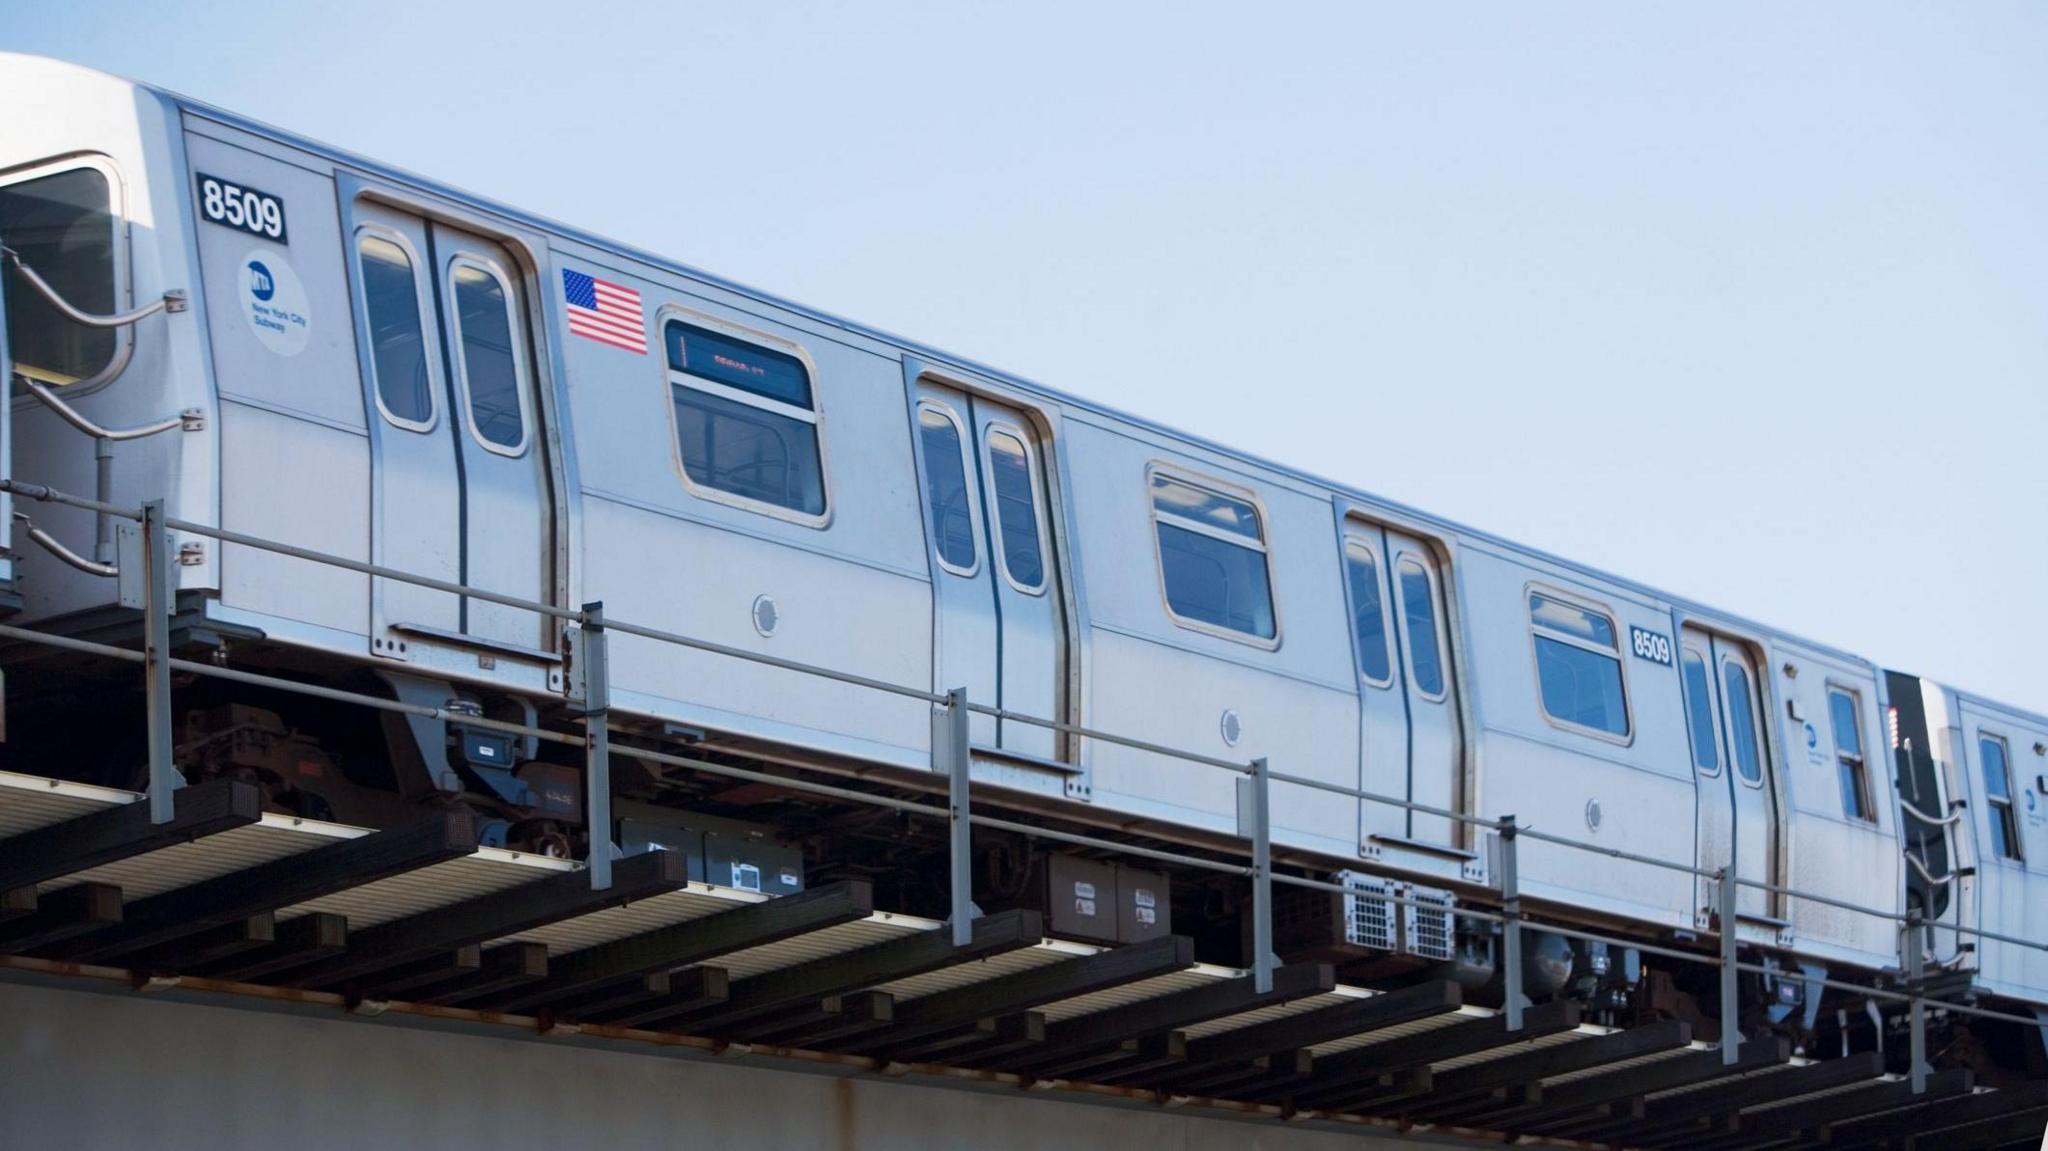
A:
[1724,897]
[6,444]
[158,573]
[1262,877]
[597,745]
[950,746]
[1510,922]
[103,491]
[1915,970]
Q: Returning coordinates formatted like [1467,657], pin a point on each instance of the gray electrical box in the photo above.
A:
[752,863]
[721,851]
[638,835]
[1080,899]
[1144,905]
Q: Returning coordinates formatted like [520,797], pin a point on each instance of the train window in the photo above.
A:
[488,358]
[746,422]
[945,482]
[402,369]
[63,225]
[1212,559]
[1740,700]
[1418,614]
[1578,667]
[1016,495]
[1368,616]
[1844,716]
[1699,713]
[2005,828]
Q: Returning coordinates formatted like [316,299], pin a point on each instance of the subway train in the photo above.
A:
[359,362]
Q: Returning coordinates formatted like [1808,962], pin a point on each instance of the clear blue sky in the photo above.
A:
[1747,302]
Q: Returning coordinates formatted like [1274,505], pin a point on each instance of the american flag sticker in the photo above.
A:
[606,312]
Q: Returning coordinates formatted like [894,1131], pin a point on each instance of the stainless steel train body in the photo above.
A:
[400,373]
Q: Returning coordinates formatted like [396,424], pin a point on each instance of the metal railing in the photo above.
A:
[589,697]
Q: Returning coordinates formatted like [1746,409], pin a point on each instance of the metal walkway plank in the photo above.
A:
[561,895]
[293,879]
[116,833]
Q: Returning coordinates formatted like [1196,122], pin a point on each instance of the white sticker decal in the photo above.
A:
[274,302]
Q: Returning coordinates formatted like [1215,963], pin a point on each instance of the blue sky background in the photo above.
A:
[1749,302]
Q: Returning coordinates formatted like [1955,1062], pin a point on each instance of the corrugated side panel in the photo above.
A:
[1585,1032]
[1142,989]
[1778,1069]
[274,837]
[670,907]
[1331,998]
[1401,1030]
[486,870]
[961,975]
[1624,1065]
[878,927]
[1761,1112]
[31,801]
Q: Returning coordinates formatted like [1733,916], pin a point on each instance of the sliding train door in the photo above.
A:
[460,484]
[999,626]
[1410,738]
[1738,807]
[1435,741]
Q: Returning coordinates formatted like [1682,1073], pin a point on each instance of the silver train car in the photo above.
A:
[362,362]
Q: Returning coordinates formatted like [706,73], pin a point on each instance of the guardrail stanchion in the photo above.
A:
[597,744]
[147,581]
[1915,970]
[950,746]
[1724,898]
[1262,877]
[158,592]
[1510,922]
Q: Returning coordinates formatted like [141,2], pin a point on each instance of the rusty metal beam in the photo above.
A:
[63,914]
[297,941]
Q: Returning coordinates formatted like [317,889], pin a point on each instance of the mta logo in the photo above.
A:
[261,285]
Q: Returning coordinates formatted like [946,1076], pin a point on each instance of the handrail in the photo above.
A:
[1951,818]
[589,621]
[1928,876]
[1513,922]
[56,548]
[1110,737]
[171,301]
[84,423]
[1813,897]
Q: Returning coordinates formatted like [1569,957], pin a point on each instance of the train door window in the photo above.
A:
[1699,713]
[1368,615]
[1845,717]
[1578,667]
[488,359]
[1739,698]
[746,422]
[1212,560]
[1019,533]
[1995,764]
[1419,616]
[63,225]
[394,310]
[945,479]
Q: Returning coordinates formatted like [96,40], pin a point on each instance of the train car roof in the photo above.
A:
[940,357]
